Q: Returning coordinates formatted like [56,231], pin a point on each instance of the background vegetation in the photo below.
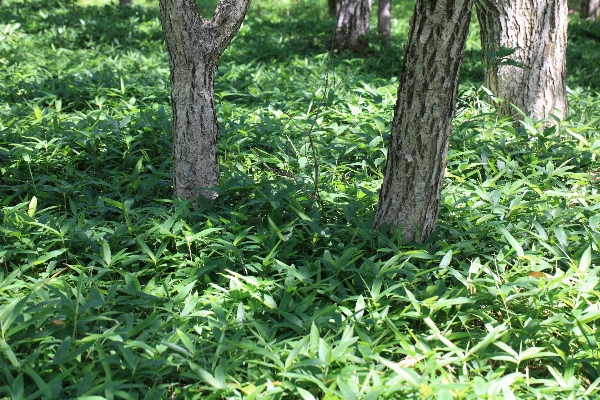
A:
[110,288]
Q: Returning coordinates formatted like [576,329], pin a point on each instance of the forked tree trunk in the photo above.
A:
[537,29]
[194,46]
[410,194]
[353,24]
[589,9]
[384,19]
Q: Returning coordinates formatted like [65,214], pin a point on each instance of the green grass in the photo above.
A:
[110,287]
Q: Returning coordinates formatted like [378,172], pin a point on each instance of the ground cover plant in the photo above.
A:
[111,288]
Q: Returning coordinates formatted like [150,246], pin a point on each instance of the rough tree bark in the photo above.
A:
[589,9]
[384,19]
[194,46]
[353,24]
[422,123]
[537,29]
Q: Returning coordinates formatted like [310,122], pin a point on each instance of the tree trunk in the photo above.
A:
[384,19]
[590,9]
[414,175]
[194,46]
[537,29]
[125,2]
[353,24]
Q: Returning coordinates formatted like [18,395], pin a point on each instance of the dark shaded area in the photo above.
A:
[472,67]
[583,56]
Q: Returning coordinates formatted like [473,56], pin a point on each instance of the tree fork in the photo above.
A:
[195,46]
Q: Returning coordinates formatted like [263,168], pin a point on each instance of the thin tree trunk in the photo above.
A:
[194,46]
[125,2]
[414,175]
[590,9]
[537,29]
[384,19]
[353,24]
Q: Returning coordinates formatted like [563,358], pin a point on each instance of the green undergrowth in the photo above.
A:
[111,288]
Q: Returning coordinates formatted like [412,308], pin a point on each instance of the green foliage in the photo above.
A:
[110,288]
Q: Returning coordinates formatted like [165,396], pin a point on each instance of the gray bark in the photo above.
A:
[353,24]
[125,2]
[537,29]
[384,19]
[423,113]
[590,9]
[194,46]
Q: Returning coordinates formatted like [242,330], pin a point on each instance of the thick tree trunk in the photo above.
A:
[537,29]
[589,9]
[353,24]
[414,174]
[194,46]
[384,19]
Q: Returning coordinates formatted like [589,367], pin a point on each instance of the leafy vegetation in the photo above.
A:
[110,288]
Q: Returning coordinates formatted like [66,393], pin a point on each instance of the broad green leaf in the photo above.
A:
[347,340]
[314,338]
[185,340]
[589,317]
[241,314]
[220,376]
[306,395]
[445,262]
[292,318]
[507,349]
[513,242]
[594,222]
[106,253]
[62,350]
[348,391]
[491,337]
[144,247]
[190,306]
[530,353]
[324,352]
[202,234]
[291,358]
[48,256]
[359,308]
[586,259]
[205,375]
[5,348]
[32,206]
[269,301]
[143,324]
[406,374]
[43,387]
[17,389]
[11,312]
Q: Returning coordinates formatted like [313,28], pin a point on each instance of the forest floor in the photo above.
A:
[110,288]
